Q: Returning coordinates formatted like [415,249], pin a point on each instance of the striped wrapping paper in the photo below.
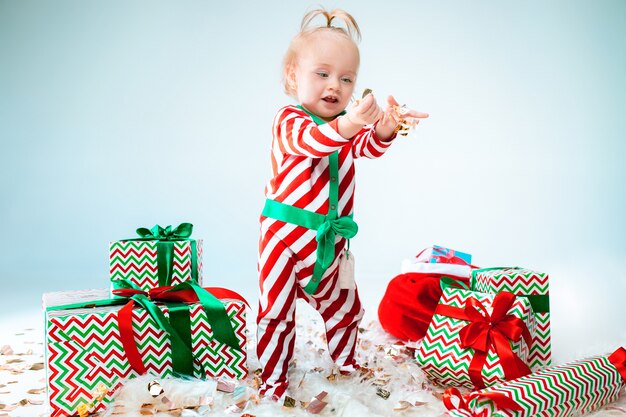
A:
[572,389]
[84,350]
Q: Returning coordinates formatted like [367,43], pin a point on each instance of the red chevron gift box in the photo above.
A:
[477,339]
[94,343]
[532,285]
[567,390]
[158,258]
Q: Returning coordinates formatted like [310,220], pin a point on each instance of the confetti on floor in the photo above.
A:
[389,384]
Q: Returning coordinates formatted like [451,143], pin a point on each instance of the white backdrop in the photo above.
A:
[115,115]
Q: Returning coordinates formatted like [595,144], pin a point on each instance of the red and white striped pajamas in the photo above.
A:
[287,252]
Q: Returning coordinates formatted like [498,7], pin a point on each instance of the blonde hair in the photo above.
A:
[350,32]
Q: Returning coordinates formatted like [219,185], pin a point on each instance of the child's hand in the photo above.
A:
[365,111]
[393,117]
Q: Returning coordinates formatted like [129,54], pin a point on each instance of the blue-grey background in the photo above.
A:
[120,114]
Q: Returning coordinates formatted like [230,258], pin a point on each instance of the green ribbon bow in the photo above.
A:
[165,237]
[181,232]
[326,233]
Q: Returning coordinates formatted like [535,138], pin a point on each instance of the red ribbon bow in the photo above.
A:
[449,257]
[452,395]
[496,330]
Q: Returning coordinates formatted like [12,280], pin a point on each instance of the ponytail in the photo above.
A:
[351,27]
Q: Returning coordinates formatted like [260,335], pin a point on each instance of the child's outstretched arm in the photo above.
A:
[386,127]
[364,112]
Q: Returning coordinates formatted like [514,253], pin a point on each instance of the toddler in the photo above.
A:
[307,217]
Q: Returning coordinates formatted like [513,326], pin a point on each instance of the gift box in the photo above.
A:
[90,348]
[476,340]
[159,257]
[567,390]
[439,254]
[439,260]
[532,285]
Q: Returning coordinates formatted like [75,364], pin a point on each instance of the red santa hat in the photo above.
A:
[409,303]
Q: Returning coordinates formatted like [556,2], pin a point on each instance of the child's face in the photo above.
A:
[325,74]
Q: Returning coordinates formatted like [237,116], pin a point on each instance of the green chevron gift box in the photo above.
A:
[93,343]
[532,285]
[567,390]
[476,339]
[158,257]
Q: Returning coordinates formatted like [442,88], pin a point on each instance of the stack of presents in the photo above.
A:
[156,318]
[485,335]
[485,331]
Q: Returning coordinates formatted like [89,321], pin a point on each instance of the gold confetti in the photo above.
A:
[289,402]
[23,402]
[147,410]
[83,410]
[302,379]
[256,382]
[366,373]
[36,367]
[402,405]
[155,389]
[332,377]
[35,402]
[100,392]
[36,391]
[11,361]
[366,92]
[382,393]
[8,407]
[119,410]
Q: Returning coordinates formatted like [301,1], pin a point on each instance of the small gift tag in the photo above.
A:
[346,271]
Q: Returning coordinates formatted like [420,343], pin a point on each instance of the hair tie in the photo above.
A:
[329,19]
